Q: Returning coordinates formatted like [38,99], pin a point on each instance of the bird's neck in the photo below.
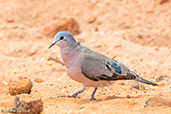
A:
[69,54]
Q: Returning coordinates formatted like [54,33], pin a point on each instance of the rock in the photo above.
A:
[19,87]
[99,22]
[56,59]
[81,39]
[140,36]
[31,107]
[121,83]
[162,77]
[96,29]
[157,49]
[70,25]
[9,20]
[32,52]
[98,45]
[82,107]
[163,1]
[117,46]
[91,19]
[157,101]
[114,56]
[38,80]
[138,86]
[35,107]
[128,96]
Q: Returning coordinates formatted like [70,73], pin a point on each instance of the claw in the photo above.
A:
[92,98]
[78,92]
[73,96]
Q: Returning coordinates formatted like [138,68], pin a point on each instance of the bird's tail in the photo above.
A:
[139,79]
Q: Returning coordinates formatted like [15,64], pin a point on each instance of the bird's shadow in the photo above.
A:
[67,96]
[98,100]
[119,97]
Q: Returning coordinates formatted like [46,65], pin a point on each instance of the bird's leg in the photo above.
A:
[78,92]
[92,95]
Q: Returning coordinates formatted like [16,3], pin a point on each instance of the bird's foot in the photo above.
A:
[92,98]
[73,96]
[78,92]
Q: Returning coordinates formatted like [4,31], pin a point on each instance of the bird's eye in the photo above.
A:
[62,37]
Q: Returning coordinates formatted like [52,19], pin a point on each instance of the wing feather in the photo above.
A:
[96,66]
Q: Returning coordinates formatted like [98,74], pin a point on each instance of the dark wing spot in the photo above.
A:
[116,67]
[115,77]
[108,78]
[108,67]
[91,78]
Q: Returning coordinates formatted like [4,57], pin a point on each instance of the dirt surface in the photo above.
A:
[135,32]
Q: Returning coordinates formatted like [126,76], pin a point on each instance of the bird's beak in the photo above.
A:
[53,43]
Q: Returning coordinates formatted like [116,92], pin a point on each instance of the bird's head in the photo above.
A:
[63,39]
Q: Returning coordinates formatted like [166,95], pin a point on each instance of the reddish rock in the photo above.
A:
[163,1]
[38,80]
[91,19]
[19,87]
[70,25]
[31,107]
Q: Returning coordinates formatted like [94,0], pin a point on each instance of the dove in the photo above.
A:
[91,68]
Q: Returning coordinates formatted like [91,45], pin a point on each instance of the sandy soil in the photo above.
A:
[137,33]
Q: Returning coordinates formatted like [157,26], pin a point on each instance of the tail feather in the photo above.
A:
[139,79]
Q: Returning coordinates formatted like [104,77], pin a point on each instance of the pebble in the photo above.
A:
[162,77]
[138,86]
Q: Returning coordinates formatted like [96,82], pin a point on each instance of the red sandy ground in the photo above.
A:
[135,32]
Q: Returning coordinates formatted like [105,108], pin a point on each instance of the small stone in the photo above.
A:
[21,77]
[114,56]
[19,87]
[81,39]
[163,1]
[96,29]
[38,80]
[138,86]
[162,77]
[157,49]
[98,46]
[117,46]
[140,36]
[92,19]
[10,20]
[4,82]
[32,52]
[141,59]
[157,101]
[161,85]
[51,84]
[121,83]
[81,107]
[99,22]
[128,96]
